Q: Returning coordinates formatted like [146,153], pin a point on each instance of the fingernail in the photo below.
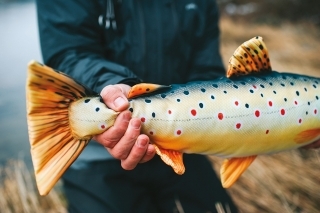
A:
[119,102]
[142,143]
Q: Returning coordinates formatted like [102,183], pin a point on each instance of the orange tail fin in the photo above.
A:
[53,148]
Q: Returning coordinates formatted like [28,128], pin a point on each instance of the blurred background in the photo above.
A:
[286,182]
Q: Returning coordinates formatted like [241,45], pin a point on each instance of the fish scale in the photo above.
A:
[271,99]
[254,111]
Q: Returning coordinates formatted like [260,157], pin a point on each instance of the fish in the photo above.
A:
[250,112]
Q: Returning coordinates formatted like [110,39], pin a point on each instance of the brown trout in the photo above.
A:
[250,112]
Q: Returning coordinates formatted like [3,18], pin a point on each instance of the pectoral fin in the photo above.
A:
[232,169]
[172,158]
[144,88]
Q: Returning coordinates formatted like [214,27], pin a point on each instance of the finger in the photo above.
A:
[123,148]
[115,96]
[149,154]
[137,153]
[113,135]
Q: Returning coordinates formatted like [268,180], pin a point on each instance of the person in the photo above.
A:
[109,46]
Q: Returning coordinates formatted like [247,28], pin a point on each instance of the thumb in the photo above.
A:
[115,96]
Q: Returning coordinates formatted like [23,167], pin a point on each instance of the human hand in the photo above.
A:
[123,140]
[313,145]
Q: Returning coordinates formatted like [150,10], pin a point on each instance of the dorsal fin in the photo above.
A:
[250,57]
[53,148]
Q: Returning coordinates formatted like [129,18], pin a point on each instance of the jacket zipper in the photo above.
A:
[143,36]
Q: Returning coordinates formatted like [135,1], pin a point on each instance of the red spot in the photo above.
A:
[254,86]
[103,126]
[194,112]
[270,103]
[151,133]
[283,112]
[169,111]
[178,132]
[300,120]
[315,111]
[236,103]
[267,132]
[257,113]
[295,102]
[140,88]
[143,119]
[238,125]
[220,116]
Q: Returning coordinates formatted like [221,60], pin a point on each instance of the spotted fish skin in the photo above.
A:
[254,111]
[250,115]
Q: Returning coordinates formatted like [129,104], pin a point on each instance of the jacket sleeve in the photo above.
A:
[72,41]
[206,59]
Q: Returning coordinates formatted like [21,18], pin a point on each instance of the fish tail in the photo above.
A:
[53,146]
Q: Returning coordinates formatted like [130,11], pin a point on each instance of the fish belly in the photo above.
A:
[233,118]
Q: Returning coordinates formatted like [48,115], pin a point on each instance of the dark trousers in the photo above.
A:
[151,187]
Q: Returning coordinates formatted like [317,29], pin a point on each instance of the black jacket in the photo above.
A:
[102,42]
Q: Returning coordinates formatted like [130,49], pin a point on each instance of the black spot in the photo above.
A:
[255,51]
[309,103]
[153,114]
[147,101]
[225,92]
[239,65]
[314,86]
[201,105]
[163,95]
[131,109]
[305,89]
[265,55]
[97,109]
[317,97]
[291,83]
[306,112]
[235,86]
[284,77]
[282,84]
[87,100]
[305,79]
[65,87]
[297,92]
[51,80]
[285,99]
[215,85]
[274,92]
[58,93]
[251,91]
[295,77]
[261,95]
[243,83]
[172,91]
[178,100]
[203,90]
[212,97]
[261,47]
[316,82]
[245,55]
[148,89]
[270,83]
[186,92]
[246,105]
[263,78]
[101,100]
